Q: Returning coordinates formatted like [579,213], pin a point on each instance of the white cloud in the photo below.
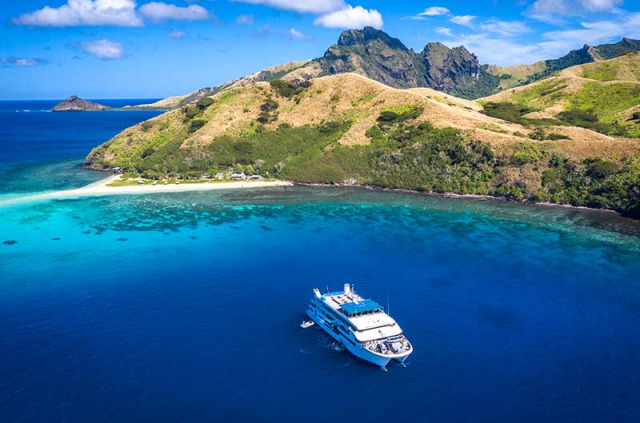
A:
[351,18]
[109,13]
[291,33]
[177,34]
[161,12]
[84,13]
[434,11]
[103,49]
[301,6]
[505,28]
[464,20]
[245,20]
[20,62]
[429,11]
[444,31]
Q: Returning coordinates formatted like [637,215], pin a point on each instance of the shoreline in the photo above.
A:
[102,188]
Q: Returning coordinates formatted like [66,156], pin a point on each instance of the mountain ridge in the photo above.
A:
[379,56]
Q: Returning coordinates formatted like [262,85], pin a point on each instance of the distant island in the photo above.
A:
[76,104]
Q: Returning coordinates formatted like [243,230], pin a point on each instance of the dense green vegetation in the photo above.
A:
[486,84]
[422,157]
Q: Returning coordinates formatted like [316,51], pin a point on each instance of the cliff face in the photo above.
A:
[373,53]
[376,55]
[449,69]
[76,104]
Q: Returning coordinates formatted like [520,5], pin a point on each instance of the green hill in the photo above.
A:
[348,128]
[603,96]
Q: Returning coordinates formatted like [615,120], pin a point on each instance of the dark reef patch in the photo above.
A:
[500,318]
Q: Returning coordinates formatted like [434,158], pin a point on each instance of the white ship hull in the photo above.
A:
[354,347]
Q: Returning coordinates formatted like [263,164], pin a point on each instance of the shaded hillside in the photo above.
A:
[603,96]
[349,128]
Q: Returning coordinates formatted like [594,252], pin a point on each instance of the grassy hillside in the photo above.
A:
[347,127]
[602,96]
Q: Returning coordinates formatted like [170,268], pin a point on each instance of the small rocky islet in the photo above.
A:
[76,104]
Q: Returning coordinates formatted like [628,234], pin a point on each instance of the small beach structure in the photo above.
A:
[255,177]
[219,176]
[237,176]
[116,170]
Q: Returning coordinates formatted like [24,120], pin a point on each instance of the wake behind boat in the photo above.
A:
[361,325]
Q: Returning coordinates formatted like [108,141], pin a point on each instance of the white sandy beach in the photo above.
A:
[102,188]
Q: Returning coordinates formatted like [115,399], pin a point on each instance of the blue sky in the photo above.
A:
[145,49]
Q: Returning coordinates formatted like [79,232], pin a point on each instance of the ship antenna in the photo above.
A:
[388,306]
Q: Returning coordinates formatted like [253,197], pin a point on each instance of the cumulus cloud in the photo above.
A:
[245,20]
[301,6]
[84,13]
[464,20]
[351,18]
[121,13]
[162,12]
[291,33]
[177,34]
[103,49]
[21,62]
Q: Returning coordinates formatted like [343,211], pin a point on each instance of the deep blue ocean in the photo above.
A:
[185,307]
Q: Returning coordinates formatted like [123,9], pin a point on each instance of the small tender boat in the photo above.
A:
[307,323]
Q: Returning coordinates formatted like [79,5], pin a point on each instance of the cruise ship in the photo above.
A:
[361,325]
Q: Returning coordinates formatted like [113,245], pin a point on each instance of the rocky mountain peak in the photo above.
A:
[365,36]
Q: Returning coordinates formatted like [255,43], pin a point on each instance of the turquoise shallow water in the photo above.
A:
[185,307]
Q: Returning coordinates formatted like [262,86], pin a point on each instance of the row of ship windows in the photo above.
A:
[343,331]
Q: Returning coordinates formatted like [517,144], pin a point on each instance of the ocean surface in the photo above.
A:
[42,150]
[185,307]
